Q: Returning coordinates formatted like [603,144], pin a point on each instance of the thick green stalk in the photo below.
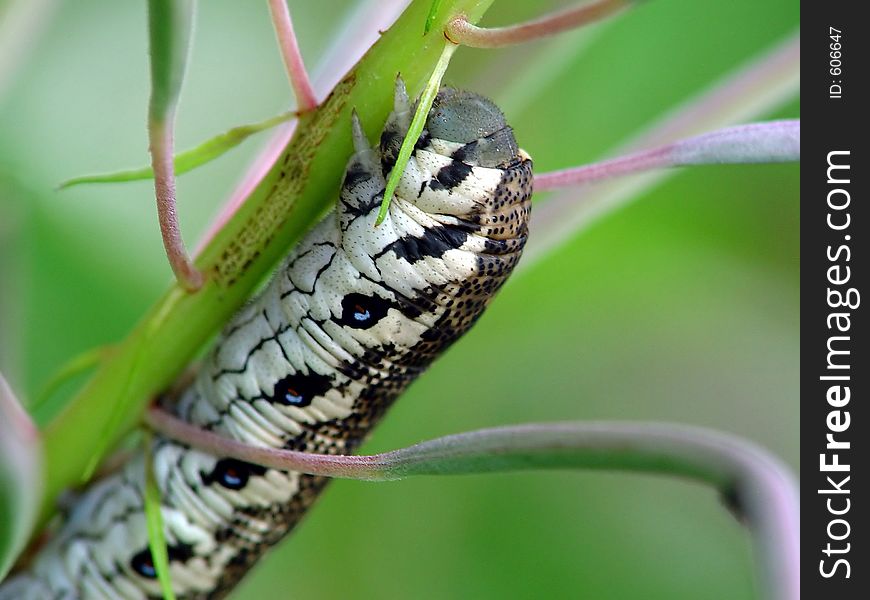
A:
[293,195]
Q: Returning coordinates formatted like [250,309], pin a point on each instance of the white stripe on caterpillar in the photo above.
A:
[350,319]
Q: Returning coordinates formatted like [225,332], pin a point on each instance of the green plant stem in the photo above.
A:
[292,196]
[75,366]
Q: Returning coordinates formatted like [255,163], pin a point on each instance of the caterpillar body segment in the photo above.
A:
[352,317]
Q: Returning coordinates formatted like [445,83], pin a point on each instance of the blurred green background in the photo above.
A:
[683,306]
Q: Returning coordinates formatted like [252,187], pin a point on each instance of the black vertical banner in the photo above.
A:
[834,226]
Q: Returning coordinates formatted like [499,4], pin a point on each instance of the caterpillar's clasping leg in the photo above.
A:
[402,104]
[364,153]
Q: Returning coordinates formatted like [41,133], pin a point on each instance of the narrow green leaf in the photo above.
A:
[20,477]
[75,366]
[154,521]
[416,128]
[189,159]
[115,415]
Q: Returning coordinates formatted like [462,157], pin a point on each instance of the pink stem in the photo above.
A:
[162,146]
[462,32]
[766,491]
[766,82]
[356,467]
[305,97]
[775,141]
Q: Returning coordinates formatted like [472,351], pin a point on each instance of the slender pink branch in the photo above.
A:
[305,97]
[162,147]
[766,492]
[767,81]
[353,467]
[460,31]
[775,141]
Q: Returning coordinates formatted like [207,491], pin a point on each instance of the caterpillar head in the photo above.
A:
[466,165]
[468,118]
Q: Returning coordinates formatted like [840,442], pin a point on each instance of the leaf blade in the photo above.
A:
[154,523]
[188,160]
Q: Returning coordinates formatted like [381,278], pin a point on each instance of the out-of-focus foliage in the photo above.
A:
[682,306]
[20,472]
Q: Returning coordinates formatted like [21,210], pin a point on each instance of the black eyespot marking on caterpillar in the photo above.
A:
[361,312]
[321,337]
[142,562]
[232,474]
[299,389]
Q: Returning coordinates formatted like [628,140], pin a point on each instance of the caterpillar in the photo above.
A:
[351,318]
